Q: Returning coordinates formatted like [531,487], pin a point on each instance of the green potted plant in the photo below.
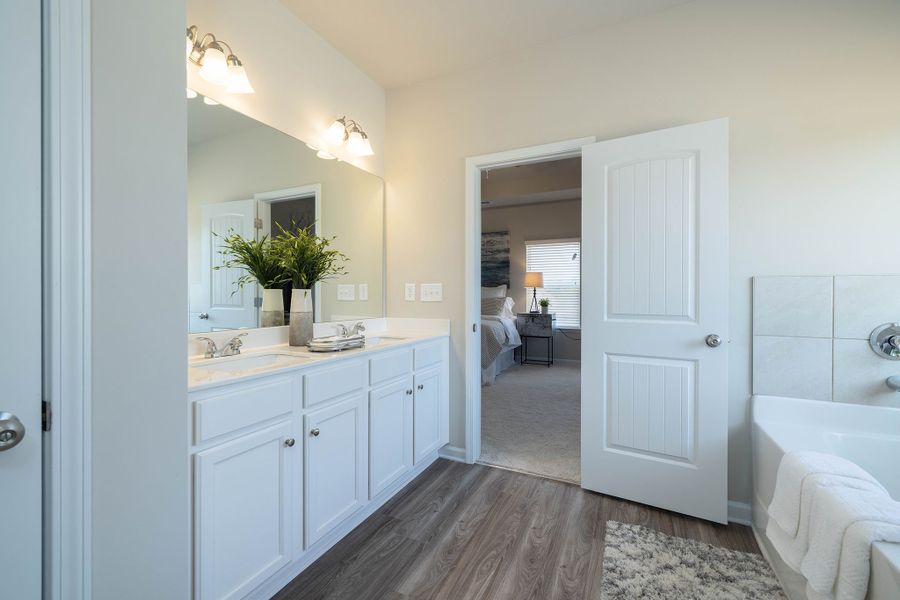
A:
[545,305]
[261,264]
[308,259]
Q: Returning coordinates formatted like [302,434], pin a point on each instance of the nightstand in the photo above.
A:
[536,325]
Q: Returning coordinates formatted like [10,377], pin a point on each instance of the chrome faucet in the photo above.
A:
[343,331]
[231,348]
[358,328]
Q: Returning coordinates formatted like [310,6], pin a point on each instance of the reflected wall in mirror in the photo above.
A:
[246,178]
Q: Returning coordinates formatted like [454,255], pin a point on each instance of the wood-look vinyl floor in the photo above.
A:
[461,532]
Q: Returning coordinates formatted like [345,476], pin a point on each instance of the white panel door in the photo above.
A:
[242,507]
[427,413]
[20,308]
[654,285]
[227,306]
[336,470]
[390,434]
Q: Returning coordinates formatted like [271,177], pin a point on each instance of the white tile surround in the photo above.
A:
[810,337]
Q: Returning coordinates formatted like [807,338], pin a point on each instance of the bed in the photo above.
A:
[499,337]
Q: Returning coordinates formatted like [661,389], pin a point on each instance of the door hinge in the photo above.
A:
[257,302]
[46,416]
[257,223]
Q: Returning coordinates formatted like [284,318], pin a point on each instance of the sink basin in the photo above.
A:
[241,364]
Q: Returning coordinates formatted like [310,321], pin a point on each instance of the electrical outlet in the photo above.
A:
[410,292]
[364,291]
[432,292]
[346,291]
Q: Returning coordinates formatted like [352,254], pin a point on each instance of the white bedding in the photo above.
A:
[499,337]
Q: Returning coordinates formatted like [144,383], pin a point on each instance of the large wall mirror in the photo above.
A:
[247,178]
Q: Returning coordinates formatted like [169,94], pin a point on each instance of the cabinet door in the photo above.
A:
[336,470]
[427,413]
[241,505]
[390,434]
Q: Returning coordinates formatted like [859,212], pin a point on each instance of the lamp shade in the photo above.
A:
[335,133]
[214,69]
[534,279]
[237,80]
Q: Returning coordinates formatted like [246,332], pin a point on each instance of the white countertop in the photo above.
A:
[205,373]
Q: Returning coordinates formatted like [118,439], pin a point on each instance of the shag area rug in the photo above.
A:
[531,421]
[646,564]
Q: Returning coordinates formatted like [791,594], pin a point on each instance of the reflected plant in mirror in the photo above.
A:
[262,264]
[307,259]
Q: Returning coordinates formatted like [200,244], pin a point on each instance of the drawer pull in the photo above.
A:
[289,442]
[421,386]
[314,432]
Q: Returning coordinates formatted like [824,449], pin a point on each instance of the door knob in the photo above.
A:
[11,431]
[713,340]
[314,432]
[203,315]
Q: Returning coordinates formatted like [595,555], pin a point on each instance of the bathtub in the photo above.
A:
[866,435]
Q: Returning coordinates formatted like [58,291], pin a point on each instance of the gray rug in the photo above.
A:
[531,421]
[646,564]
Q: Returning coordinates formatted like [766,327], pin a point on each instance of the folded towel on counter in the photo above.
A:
[794,470]
[844,523]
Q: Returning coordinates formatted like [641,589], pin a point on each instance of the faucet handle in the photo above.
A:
[341,329]
[211,349]
[360,326]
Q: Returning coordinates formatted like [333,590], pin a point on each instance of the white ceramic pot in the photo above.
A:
[545,310]
[272,311]
[301,317]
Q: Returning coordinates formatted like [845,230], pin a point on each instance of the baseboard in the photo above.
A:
[453,453]
[740,513]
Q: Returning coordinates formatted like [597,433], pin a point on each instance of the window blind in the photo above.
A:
[560,262]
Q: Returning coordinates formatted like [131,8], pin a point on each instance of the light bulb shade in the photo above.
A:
[214,69]
[237,80]
[209,101]
[191,93]
[355,144]
[335,133]
[534,279]
[365,147]
[325,155]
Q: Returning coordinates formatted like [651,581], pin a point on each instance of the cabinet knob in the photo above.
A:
[289,442]
[314,432]
[409,392]
[421,386]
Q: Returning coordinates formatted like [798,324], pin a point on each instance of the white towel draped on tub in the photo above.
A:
[801,476]
[844,523]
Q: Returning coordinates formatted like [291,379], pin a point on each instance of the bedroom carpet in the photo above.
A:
[531,421]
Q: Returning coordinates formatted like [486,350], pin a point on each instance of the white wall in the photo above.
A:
[546,221]
[302,83]
[812,90]
[140,479]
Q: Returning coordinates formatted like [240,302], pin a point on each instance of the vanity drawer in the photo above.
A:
[429,354]
[333,382]
[390,366]
[228,409]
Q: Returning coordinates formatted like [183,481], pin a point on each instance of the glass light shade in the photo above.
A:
[365,147]
[214,69]
[335,133]
[237,80]
[191,93]
[325,155]
[355,143]
[534,279]
[209,101]
[188,46]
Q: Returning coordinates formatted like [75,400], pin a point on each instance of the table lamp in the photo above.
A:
[534,279]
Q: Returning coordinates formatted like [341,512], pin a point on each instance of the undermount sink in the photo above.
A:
[256,362]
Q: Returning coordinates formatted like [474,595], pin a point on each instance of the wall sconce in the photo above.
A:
[347,131]
[216,66]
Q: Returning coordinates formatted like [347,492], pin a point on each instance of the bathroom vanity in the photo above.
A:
[291,450]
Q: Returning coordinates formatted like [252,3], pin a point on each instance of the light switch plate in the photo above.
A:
[364,291]
[346,291]
[410,292]
[432,292]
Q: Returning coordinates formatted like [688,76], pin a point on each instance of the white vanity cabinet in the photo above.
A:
[287,463]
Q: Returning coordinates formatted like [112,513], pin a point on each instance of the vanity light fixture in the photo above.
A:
[347,131]
[209,101]
[216,66]
[191,94]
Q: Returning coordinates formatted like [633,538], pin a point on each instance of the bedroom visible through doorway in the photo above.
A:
[530,300]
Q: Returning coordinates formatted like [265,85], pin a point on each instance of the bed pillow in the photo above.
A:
[507,310]
[493,307]
[494,292]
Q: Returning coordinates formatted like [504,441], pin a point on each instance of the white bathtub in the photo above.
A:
[869,436]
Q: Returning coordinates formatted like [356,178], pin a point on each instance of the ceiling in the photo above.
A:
[534,183]
[399,42]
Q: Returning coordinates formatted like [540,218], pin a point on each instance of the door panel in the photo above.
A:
[427,413]
[228,306]
[390,434]
[655,251]
[242,506]
[20,311]
[336,470]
